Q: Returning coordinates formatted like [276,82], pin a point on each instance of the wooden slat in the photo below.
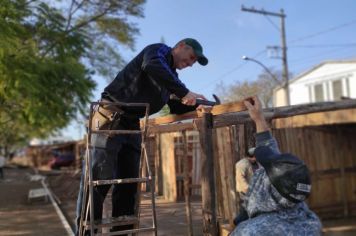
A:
[222,192]
[320,118]
[188,208]
[158,165]
[168,167]
[230,178]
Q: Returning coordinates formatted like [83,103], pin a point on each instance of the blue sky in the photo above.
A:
[316,31]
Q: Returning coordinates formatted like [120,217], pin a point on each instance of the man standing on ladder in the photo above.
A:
[151,78]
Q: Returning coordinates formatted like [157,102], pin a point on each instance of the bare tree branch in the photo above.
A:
[76,27]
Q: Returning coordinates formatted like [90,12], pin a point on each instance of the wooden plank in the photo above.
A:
[188,209]
[158,165]
[320,118]
[235,133]
[230,178]
[250,140]
[221,190]
[168,167]
[170,128]
[207,177]
[241,154]
[194,144]
[218,181]
[216,110]
[241,141]
[342,172]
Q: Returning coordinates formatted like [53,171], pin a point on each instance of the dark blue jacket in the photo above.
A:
[149,78]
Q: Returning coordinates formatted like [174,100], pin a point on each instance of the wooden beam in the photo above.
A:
[283,112]
[216,110]
[319,118]
[170,128]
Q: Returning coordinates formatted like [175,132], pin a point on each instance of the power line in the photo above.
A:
[282,17]
[324,45]
[239,66]
[272,23]
[323,32]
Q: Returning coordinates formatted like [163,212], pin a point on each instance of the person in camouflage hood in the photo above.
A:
[274,204]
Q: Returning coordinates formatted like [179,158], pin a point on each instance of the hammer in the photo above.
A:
[202,101]
[209,103]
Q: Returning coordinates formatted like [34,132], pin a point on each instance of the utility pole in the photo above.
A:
[282,16]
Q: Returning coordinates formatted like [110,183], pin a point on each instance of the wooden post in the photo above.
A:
[158,165]
[188,208]
[207,176]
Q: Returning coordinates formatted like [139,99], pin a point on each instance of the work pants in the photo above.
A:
[114,157]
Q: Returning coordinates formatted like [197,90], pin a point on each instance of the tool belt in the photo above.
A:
[106,116]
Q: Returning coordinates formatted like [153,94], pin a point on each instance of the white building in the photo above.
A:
[328,81]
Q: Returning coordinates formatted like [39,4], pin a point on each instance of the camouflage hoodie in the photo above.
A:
[268,212]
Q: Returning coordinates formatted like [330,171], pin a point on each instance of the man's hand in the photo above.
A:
[190,98]
[204,109]
[255,110]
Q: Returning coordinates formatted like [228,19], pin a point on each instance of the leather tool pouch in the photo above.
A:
[106,117]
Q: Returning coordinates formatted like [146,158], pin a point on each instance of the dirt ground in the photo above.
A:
[20,217]
[170,216]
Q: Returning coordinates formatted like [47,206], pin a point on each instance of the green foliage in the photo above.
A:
[45,53]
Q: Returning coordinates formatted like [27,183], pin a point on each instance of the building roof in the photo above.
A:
[317,67]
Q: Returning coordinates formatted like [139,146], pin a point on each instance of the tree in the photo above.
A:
[45,56]
[263,87]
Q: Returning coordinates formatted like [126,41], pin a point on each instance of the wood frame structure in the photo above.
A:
[228,128]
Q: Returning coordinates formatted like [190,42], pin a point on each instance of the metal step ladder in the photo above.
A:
[87,222]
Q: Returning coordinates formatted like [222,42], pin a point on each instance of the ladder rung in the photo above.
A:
[121,181]
[113,221]
[108,131]
[129,231]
